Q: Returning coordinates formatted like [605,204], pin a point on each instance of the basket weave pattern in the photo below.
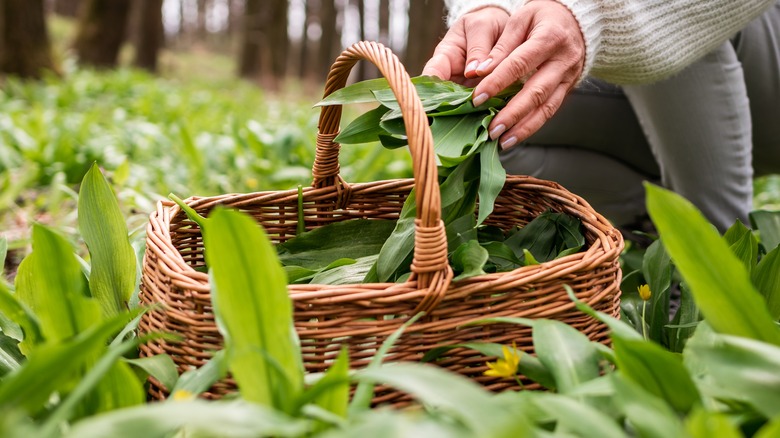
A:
[363,315]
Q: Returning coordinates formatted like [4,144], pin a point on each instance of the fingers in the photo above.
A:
[482,30]
[528,111]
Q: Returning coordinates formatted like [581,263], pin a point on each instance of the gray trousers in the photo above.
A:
[704,133]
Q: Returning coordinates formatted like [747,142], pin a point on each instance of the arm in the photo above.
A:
[553,43]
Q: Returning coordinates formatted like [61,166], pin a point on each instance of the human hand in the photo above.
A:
[542,42]
[466,45]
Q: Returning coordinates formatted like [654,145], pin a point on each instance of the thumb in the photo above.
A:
[439,66]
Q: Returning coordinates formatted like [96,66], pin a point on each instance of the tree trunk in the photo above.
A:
[303,60]
[25,50]
[67,8]
[362,70]
[384,22]
[277,41]
[426,27]
[330,39]
[251,33]
[149,34]
[101,32]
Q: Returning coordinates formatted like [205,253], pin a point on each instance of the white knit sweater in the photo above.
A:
[641,41]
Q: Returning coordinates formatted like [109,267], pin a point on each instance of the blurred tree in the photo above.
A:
[304,50]
[265,42]
[251,32]
[330,39]
[149,34]
[426,27]
[25,49]
[67,8]
[384,22]
[101,32]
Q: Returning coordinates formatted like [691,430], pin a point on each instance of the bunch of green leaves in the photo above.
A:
[471,177]
[758,249]
[67,344]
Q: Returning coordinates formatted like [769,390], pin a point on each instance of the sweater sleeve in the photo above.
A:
[458,8]
[642,41]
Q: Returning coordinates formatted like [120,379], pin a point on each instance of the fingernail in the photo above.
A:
[509,142]
[472,66]
[479,100]
[497,131]
[485,64]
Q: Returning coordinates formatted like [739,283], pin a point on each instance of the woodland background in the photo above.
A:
[269,40]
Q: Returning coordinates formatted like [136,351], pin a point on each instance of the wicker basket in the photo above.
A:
[363,315]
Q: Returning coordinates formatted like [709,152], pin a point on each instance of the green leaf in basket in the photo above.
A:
[547,236]
[350,239]
[392,142]
[112,278]
[364,129]
[367,91]
[502,256]
[345,273]
[719,282]
[395,250]
[253,310]
[491,180]
[468,107]
[453,134]
[468,260]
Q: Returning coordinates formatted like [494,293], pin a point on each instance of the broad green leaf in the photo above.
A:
[11,357]
[770,429]
[50,283]
[332,391]
[491,180]
[657,270]
[452,134]
[618,328]
[743,244]
[254,310]
[684,323]
[745,369]
[547,236]
[705,424]
[364,129]
[349,239]
[298,274]
[469,259]
[529,365]
[3,253]
[396,249]
[235,418]
[768,225]
[577,417]
[103,227]
[361,400]
[438,389]
[430,97]
[19,318]
[718,281]
[568,354]
[159,366]
[60,362]
[502,256]
[469,108]
[461,231]
[649,415]
[386,423]
[195,381]
[118,388]
[367,91]
[658,371]
[347,273]
[766,278]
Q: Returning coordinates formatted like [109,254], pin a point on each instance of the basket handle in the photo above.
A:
[430,267]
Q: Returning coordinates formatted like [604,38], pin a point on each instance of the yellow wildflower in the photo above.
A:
[183,395]
[644,292]
[506,367]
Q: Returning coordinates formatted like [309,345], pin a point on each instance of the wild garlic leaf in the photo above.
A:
[452,134]
[364,129]
[491,179]
[468,259]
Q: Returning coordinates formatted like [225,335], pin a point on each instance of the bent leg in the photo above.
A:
[699,128]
